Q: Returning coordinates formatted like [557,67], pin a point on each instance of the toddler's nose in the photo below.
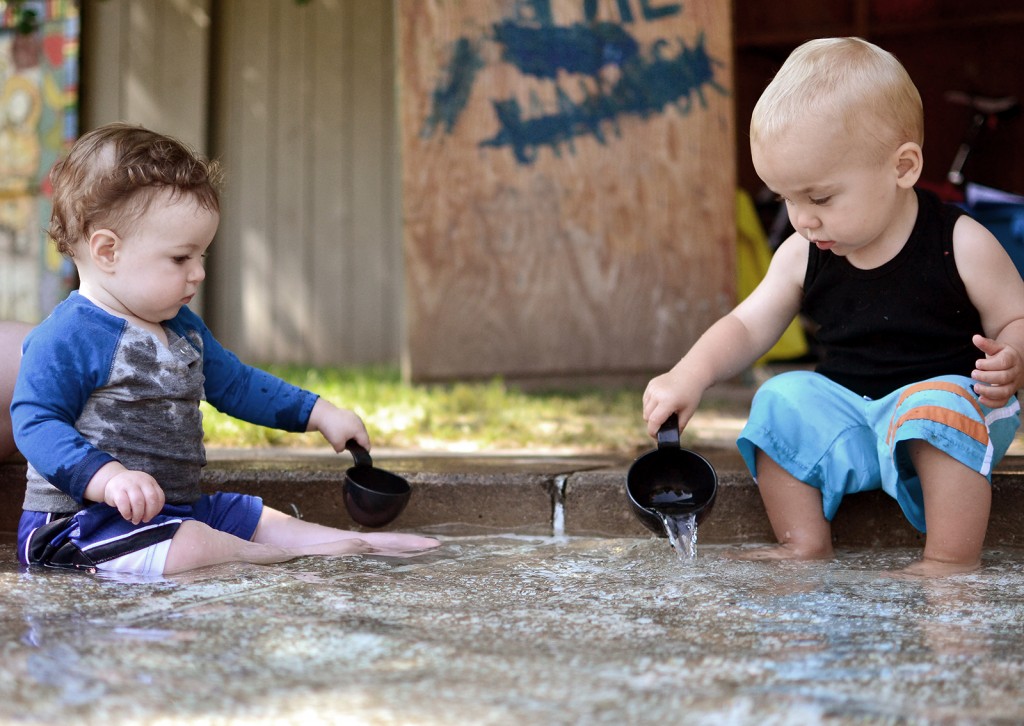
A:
[805,220]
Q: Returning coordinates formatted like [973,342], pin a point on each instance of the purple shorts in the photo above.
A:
[99,538]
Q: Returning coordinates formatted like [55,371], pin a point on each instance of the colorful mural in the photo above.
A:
[38,122]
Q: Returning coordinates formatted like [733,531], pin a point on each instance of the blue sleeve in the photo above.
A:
[245,392]
[63,361]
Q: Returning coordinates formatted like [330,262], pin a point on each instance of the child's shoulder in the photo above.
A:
[76,323]
[982,262]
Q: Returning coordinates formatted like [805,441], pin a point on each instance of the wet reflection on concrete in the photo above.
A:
[518,630]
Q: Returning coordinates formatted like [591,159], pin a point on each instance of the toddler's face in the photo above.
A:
[161,258]
[838,195]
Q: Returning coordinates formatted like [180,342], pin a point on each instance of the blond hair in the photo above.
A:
[848,80]
[113,173]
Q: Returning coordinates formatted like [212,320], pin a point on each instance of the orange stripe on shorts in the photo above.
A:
[958,421]
[939,386]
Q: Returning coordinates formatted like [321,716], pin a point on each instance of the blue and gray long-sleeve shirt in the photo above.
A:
[93,388]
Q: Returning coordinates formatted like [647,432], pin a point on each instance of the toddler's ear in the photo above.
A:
[103,249]
[909,164]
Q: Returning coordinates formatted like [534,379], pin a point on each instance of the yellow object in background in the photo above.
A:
[752,259]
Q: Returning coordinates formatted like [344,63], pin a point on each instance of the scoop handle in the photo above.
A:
[668,434]
[359,454]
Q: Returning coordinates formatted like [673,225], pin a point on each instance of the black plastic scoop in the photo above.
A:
[373,497]
[670,480]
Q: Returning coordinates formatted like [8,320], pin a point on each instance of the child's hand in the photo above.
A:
[337,425]
[135,494]
[667,394]
[999,374]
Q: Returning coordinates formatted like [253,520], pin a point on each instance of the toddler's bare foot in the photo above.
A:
[376,543]
[781,552]
[393,543]
[407,546]
[926,568]
[405,554]
[338,548]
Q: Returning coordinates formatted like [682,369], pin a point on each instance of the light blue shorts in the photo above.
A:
[834,440]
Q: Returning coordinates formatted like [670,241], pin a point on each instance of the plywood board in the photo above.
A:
[567,183]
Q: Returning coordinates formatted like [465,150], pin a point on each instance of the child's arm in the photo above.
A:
[241,390]
[61,366]
[337,425]
[734,342]
[258,397]
[997,291]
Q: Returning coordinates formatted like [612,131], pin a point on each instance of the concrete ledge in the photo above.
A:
[459,495]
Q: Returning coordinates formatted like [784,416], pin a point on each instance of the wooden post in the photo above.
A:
[568,180]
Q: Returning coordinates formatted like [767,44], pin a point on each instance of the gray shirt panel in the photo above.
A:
[147,416]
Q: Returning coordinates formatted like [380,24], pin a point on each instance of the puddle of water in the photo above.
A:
[519,630]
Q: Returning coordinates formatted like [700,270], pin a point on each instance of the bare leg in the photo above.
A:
[278,528]
[11,336]
[794,510]
[198,545]
[278,538]
[957,502]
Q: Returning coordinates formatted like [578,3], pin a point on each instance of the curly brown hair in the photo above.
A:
[111,175]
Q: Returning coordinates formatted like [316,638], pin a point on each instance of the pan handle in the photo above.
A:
[668,434]
[359,454]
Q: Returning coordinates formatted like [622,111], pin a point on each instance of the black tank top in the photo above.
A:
[905,321]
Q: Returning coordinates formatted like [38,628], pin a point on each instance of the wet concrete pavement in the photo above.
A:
[548,603]
[519,630]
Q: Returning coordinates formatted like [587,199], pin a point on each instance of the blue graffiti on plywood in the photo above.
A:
[452,94]
[645,82]
[543,51]
[645,87]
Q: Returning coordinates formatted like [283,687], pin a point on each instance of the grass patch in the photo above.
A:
[463,416]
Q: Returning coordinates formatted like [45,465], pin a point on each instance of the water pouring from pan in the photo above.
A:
[672,489]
